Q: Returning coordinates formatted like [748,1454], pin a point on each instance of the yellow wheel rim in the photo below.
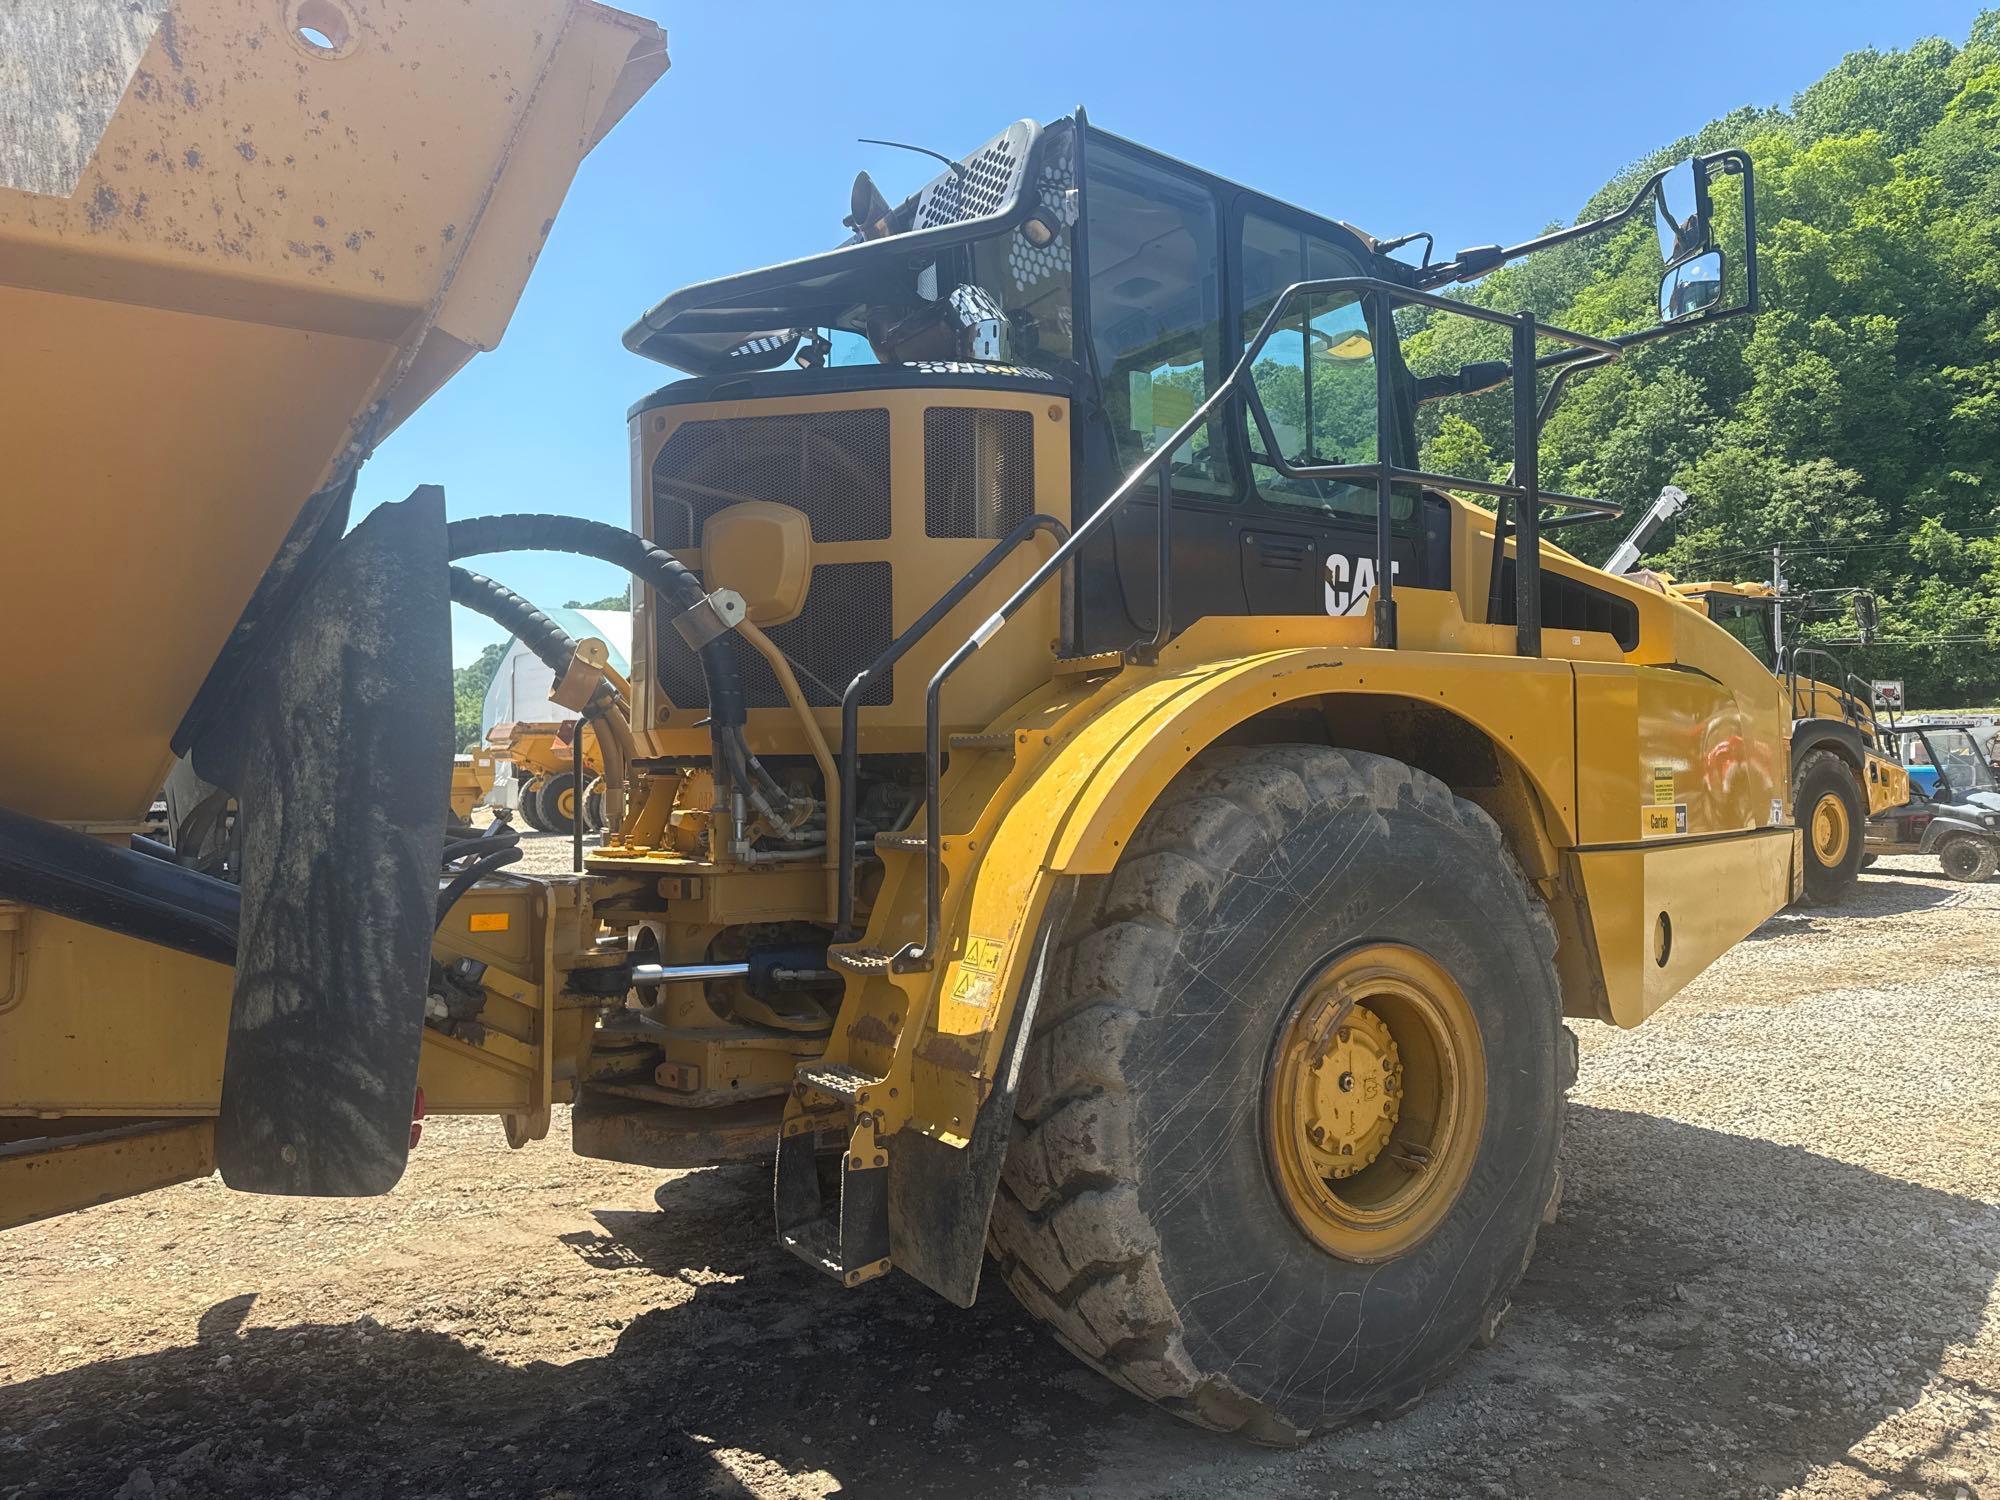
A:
[566,806]
[1829,829]
[1375,1101]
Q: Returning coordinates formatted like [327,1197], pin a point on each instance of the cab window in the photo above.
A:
[1155,323]
[1316,375]
[1748,620]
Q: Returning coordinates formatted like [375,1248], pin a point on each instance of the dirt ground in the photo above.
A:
[1775,1273]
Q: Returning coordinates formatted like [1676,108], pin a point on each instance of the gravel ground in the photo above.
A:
[1775,1273]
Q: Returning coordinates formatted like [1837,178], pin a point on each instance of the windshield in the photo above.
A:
[1957,757]
[1749,620]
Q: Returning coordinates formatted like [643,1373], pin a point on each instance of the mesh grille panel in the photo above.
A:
[833,465]
[845,625]
[992,176]
[979,471]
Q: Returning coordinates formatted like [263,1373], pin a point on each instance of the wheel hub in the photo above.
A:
[1829,829]
[1375,1102]
[1351,1105]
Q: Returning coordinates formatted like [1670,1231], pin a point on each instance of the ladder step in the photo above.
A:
[911,841]
[835,1080]
[1003,740]
[1091,665]
[859,960]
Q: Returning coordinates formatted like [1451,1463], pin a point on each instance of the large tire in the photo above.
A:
[593,806]
[1828,805]
[1965,856]
[556,802]
[1140,1214]
[529,797]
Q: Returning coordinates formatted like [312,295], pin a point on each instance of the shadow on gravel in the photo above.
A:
[1887,895]
[1735,1286]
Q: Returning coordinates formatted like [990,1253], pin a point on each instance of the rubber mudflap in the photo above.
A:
[337,745]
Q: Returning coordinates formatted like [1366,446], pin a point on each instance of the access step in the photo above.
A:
[1003,740]
[859,960]
[835,1080]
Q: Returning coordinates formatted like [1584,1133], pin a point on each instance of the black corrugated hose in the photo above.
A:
[651,565]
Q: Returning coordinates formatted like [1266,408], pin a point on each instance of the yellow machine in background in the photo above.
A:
[1845,769]
[472,778]
[1082,795]
[543,755]
[1844,766]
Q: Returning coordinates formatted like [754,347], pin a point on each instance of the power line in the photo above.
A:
[1926,640]
[1814,549]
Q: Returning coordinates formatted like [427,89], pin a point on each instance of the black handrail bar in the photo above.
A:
[850,701]
[1857,709]
[1238,388]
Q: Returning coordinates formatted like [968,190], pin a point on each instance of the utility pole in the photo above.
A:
[1778,603]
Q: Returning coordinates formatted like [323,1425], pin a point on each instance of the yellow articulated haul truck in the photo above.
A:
[543,755]
[1083,795]
[1845,769]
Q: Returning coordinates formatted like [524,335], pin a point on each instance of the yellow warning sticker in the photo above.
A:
[1656,820]
[973,991]
[984,954]
[1663,786]
[486,921]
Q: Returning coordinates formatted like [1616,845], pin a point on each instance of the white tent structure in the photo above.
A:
[521,683]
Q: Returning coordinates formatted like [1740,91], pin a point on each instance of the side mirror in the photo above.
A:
[1693,286]
[1680,212]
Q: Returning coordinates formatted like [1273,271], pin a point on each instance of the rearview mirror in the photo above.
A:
[1680,212]
[1693,286]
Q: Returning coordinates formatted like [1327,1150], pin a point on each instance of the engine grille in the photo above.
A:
[979,471]
[833,465]
[846,624]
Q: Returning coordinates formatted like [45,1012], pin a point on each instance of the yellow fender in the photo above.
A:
[1098,766]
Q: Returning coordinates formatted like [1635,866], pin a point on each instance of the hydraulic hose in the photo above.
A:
[651,565]
[555,647]
[552,645]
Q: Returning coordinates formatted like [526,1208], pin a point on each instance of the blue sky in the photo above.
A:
[1395,118]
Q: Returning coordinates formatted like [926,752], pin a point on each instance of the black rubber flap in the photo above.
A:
[337,745]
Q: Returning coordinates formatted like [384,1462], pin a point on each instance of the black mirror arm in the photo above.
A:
[1476,262]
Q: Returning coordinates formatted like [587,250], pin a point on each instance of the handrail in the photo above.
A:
[1238,387]
[1856,709]
[850,701]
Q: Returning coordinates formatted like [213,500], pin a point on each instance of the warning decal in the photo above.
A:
[1663,786]
[974,988]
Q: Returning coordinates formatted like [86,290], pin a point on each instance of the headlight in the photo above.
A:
[1991,820]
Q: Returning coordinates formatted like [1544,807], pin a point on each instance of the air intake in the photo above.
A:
[979,471]
[833,465]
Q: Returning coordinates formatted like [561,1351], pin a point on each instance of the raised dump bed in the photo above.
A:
[240,241]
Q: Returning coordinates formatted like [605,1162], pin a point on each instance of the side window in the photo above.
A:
[1155,323]
[1316,375]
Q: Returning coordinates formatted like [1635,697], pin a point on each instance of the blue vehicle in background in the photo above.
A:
[1954,807]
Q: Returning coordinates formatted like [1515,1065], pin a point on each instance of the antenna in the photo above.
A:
[957,168]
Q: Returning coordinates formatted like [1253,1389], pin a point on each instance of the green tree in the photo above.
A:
[609,601]
[469,685]
[1856,423]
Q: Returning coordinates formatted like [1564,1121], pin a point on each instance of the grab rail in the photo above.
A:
[1239,388]
[850,701]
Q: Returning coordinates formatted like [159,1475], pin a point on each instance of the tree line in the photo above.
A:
[1856,422]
